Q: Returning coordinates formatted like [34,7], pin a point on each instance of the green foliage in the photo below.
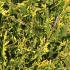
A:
[34,35]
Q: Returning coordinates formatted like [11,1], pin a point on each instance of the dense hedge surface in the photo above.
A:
[34,34]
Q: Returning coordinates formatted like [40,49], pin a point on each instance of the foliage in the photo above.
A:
[34,34]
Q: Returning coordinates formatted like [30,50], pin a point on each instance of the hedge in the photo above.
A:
[34,34]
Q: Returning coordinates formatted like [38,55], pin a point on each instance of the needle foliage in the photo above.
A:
[34,34]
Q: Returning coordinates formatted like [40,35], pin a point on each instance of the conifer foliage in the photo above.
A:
[34,34]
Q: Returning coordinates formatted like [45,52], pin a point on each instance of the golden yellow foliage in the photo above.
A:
[43,64]
[67,0]
[60,24]
[5,13]
[68,8]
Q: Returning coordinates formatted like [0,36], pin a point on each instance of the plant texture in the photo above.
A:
[34,34]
